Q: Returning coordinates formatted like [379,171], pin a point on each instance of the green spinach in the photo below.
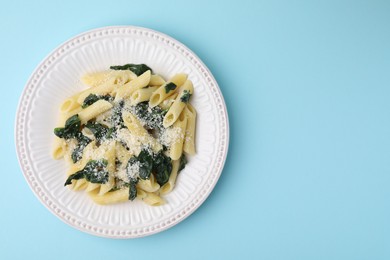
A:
[145,161]
[110,132]
[185,97]
[162,168]
[92,98]
[77,153]
[152,117]
[183,162]
[94,171]
[170,86]
[98,130]
[71,129]
[138,69]
[133,189]
[146,164]
[158,164]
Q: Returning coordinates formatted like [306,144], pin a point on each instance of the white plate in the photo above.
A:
[57,77]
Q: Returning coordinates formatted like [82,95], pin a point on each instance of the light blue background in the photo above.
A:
[307,85]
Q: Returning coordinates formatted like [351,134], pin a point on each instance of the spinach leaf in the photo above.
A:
[159,164]
[170,86]
[138,69]
[98,130]
[183,162]
[186,96]
[77,153]
[72,121]
[71,129]
[162,168]
[60,132]
[152,117]
[146,164]
[110,132]
[75,176]
[131,168]
[94,171]
[133,189]
[92,98]
[132,160]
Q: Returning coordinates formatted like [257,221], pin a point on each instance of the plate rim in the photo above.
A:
[19,140]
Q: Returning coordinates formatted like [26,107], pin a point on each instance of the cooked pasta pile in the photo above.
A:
[126,136]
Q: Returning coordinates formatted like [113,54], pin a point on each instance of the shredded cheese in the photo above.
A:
[133,170]
[170,135]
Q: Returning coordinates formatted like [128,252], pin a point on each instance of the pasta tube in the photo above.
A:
[177,146]
[137,83]
[189,137]
[178,105]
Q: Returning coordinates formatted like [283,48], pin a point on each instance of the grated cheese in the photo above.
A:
[133,170]
[132,142]
[121,174]
[97,153]
[72,143]
[170,135]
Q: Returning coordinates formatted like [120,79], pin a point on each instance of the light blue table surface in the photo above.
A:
[307,86]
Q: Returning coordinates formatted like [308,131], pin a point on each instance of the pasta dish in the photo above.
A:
[126,137]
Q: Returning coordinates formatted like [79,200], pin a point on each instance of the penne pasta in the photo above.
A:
[137,83]
[167,89]
[110,156]
[179,79]
[70,104]
[59,148]
[65,116]
[94,110]
[92,186]
[161,93]
[189,136]
[133,124]
[95,79]
[99,90]
[117,196]
[153,199]
[168,187]
[80,184]
[167,103]
[178,105]
[141,194]
[121,77]
[177,146]
[156,80]
[141,95]
[149,185]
